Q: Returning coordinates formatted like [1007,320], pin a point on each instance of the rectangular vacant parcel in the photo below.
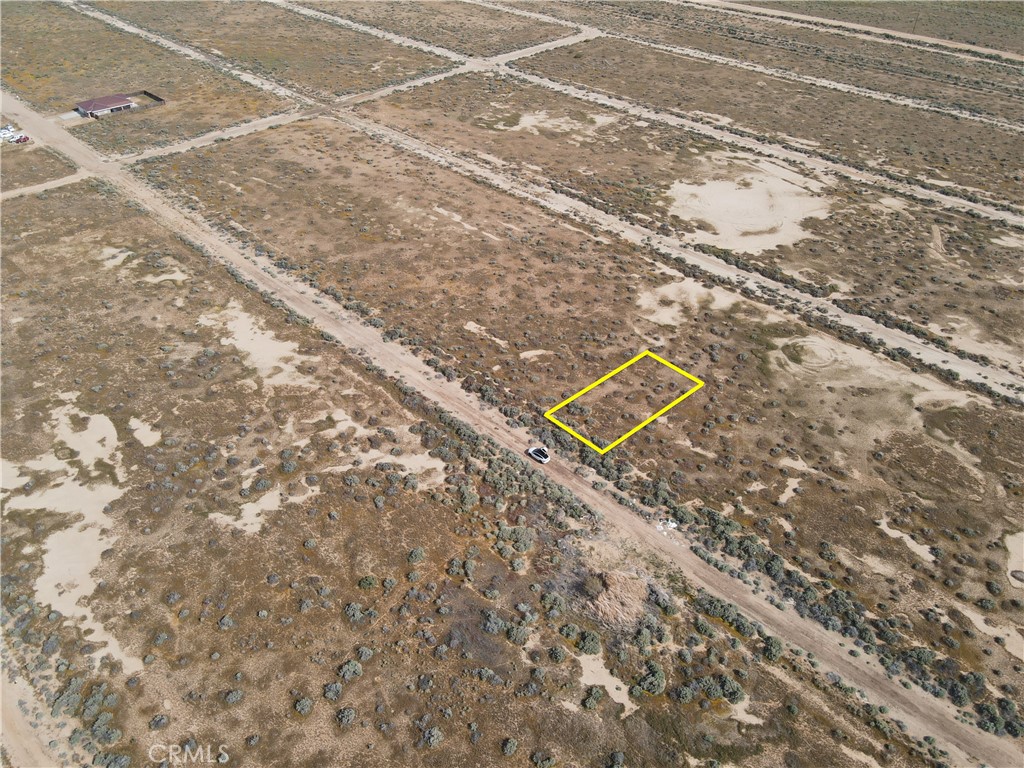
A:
[92,59]
[464,28]
[316,57]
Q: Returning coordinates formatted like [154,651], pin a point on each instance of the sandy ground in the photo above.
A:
[596,673]
[922,713]
[24,738]
[750,205]
[1015,546]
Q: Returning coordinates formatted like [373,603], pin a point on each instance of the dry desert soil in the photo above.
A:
[273,352]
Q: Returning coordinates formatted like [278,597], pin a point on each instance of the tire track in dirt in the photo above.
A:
[35,189]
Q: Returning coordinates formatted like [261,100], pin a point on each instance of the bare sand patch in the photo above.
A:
[1015,562]
[747,204]
[250,515]
[143,432]
[596,673]
[792,484]
[114,257]
[176,276]
[73,553]
[276,360]
[741,715]
[673,303]
[859,757]
[531,354]
[1014,640]
[921,550]
[479,330]
[534,122]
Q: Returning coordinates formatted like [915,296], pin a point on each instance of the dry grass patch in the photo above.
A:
[23,165]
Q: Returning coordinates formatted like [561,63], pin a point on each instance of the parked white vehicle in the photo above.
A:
[539,454]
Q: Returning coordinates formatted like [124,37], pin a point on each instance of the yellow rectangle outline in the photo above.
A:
[646,353]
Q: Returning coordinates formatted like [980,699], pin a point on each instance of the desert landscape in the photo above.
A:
[291,287]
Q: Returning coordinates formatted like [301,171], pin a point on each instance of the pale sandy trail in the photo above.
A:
[851,29]
[923,714]
[234,132]
[43,186]
[781,74]
[27,746]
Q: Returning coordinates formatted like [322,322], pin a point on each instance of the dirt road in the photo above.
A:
[34,189]
[923,714]
[24,738]
[854,30]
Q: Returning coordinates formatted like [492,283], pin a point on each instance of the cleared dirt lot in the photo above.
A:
[468,29]
[95,60]
[938,78]
[990,24]
[317,58]
[855,129]
[282,550]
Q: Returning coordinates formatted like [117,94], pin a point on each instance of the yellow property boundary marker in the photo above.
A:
[549,415]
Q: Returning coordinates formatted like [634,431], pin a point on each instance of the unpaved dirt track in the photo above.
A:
[24,745]
[34,189]
[837,26]
[923,714]
[234,132]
